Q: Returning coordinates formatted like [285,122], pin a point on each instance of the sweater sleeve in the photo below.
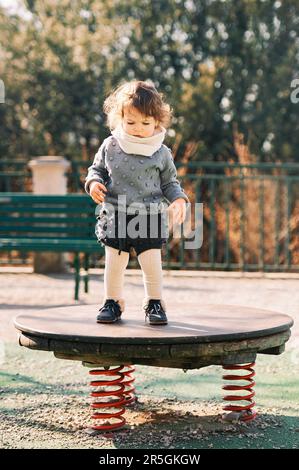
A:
[97,171]
[170,185]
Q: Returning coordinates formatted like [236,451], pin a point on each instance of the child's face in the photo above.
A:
[135,123]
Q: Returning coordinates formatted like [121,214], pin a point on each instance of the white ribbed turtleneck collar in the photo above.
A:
[146,146]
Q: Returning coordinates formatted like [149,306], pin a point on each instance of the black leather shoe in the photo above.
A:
[110,312]
[155,313]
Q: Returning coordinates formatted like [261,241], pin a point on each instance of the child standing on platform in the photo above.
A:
[134,178]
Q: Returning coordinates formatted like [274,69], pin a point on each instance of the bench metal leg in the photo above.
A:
[77,275]
[86,266]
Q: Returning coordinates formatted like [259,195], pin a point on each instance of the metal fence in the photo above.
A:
[250,214]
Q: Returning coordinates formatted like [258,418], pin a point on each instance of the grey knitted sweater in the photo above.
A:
[141,182]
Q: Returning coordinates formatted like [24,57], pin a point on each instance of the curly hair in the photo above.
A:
[141,95]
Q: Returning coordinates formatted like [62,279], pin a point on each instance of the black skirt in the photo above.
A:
[148,231]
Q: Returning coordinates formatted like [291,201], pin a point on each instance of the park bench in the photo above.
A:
[50,223]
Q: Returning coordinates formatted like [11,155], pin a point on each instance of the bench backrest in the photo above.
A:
[26,215]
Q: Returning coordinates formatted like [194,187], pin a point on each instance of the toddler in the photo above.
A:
[133,178]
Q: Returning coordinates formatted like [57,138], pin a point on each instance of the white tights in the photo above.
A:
[115,266]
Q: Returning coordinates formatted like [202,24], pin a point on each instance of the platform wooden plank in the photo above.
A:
[206,323]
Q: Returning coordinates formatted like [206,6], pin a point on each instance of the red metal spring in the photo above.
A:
[246,411]
[118,394]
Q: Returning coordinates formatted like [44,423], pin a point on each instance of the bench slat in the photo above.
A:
[69,220]
[84,231]
[80,246]
[9,196]
[45,240]
[47,209]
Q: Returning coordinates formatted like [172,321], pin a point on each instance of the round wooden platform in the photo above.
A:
[213,334]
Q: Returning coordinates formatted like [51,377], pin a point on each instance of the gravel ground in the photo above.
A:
[44,402]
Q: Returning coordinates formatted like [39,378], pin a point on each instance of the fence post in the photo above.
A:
[49,177]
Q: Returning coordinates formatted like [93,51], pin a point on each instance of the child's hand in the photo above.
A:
[96,191]
[178,209]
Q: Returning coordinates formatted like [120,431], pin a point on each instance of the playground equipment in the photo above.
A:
[226,335]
